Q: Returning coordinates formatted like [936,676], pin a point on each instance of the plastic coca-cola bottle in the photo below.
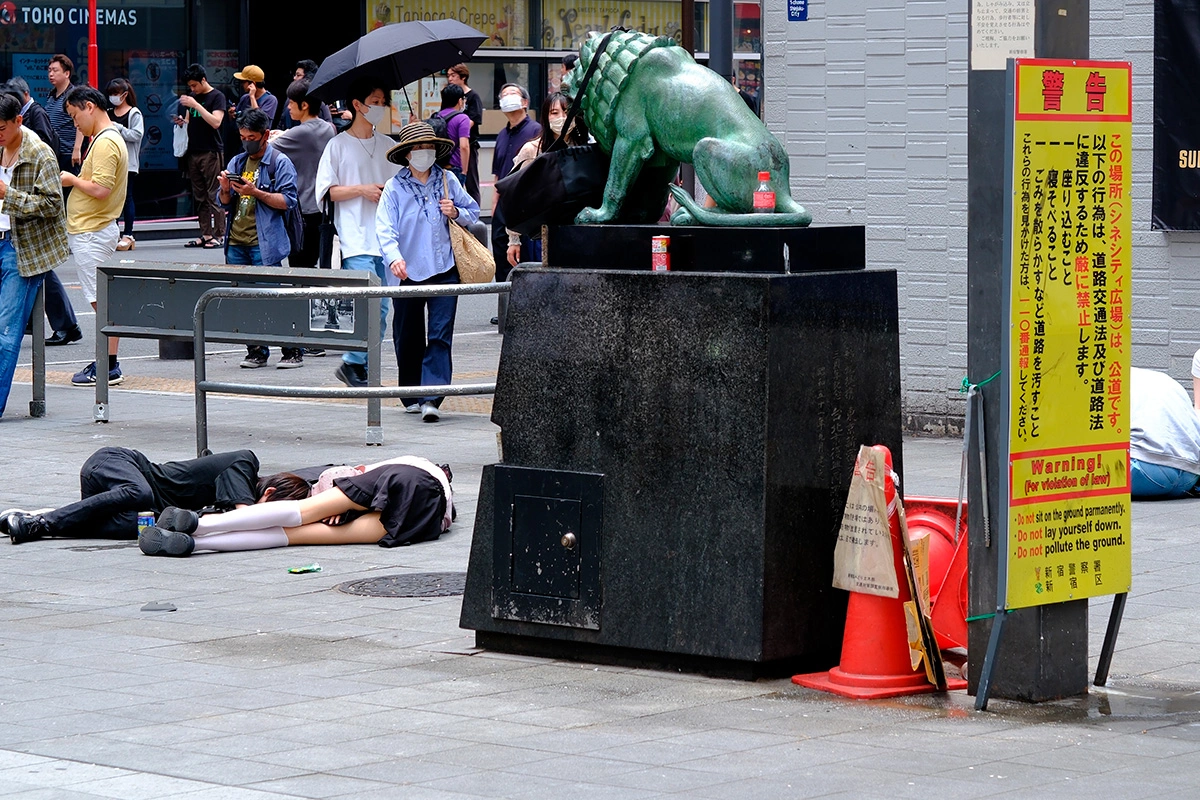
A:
[764,196]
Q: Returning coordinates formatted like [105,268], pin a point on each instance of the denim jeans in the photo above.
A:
[369,264]
[244,255]
[1152,480]
[249,255]
[16,303]
[425,361]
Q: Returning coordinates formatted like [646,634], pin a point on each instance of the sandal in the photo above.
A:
[197,242]
[213,244]
[126,243]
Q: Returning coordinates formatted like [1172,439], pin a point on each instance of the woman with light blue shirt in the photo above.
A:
[412,224]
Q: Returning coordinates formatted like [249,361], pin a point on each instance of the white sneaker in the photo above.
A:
[415,408]
[429,412]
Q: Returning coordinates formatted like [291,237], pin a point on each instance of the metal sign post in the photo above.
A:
[1065,355]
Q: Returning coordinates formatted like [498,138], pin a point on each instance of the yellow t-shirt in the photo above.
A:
[107,164]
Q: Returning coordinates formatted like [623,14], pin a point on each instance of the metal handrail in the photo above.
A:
[371,393]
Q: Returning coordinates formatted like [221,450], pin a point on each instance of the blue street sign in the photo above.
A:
[797,10]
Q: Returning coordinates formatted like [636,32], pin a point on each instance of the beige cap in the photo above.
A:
[250,73]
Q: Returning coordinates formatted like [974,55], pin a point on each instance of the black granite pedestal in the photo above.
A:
[697,248]
[677,449]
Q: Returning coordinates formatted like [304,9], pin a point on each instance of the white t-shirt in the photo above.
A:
[1164,428]
[6,174]
[348,161]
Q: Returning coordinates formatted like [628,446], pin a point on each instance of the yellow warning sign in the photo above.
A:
[1068,349]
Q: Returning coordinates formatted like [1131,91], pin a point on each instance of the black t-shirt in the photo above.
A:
[223,480]
[474,110]
[202,137]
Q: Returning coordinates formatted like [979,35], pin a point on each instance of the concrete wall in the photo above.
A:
[871,99]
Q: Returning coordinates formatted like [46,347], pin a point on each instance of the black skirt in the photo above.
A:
[411,502]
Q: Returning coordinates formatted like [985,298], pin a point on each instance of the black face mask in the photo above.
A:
[252,147]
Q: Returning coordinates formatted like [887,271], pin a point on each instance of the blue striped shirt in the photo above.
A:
[60,120]
[411,226]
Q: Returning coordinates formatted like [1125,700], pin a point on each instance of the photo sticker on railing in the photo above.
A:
[331,315]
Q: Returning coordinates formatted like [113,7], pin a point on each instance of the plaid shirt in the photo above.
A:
[34,204]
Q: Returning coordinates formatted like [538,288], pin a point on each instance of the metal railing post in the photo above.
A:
[201,376]
[100,410]
[37,404]
[374,371]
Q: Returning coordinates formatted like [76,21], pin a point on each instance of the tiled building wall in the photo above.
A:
[871,99]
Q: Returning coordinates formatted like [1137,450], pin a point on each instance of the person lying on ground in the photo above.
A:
[116,483]
[1164,436]
[401,501]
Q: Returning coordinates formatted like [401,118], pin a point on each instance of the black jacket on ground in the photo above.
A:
[116,483]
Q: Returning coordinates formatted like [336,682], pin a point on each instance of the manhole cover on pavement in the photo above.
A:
[418,584]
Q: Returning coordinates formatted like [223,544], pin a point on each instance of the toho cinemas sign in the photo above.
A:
[39,15]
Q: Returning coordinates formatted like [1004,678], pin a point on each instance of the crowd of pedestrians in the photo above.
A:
[299,165]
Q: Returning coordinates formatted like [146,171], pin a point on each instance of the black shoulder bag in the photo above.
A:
[561,182]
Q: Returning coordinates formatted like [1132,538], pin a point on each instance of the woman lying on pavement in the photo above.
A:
[116,483]
[401,501]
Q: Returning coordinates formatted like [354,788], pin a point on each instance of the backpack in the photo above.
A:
[441,129]
[292,221]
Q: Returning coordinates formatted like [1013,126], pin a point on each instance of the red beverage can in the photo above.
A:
[660,255]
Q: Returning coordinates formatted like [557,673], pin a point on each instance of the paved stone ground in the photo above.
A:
[265,684]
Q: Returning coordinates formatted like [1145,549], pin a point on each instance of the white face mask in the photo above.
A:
[421,160]
[510,102]
[115,99]
[556,125]
[375,114]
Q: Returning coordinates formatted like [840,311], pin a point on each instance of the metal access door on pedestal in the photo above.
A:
[546,566]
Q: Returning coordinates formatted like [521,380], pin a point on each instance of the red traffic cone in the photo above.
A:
[947,565]
[875,655]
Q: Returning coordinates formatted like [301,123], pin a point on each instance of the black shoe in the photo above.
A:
[178,519]
[154,541]
[495,320]
[26,528]
[71,334]
[315,352]
[253,361]
[353,375]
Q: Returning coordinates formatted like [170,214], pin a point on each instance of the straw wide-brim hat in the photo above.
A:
[414,134]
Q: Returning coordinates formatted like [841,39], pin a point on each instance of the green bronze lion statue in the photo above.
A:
[652,107]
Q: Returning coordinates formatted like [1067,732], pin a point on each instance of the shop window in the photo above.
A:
[748,75]
[145,42]
[747,28]
[505,22]
[567,23]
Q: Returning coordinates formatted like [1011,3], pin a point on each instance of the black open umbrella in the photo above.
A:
[397,54]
